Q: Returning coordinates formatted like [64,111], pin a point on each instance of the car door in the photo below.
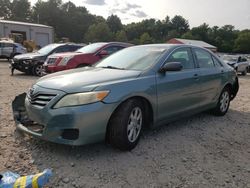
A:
[1,49]
[179,91]
[8,49]
[211,76]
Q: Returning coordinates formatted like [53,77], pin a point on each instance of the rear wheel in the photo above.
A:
[126,125]
[81,65]
[244,73]
[223,103]
[38,70]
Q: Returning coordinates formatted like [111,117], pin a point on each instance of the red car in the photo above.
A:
[85,56]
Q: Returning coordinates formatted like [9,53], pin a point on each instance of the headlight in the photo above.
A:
[81,98]
[27,61]
[64,61]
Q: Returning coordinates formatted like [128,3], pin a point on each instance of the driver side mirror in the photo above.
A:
[103,53]
[171,66]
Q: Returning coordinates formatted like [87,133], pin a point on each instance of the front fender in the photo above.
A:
[144,87]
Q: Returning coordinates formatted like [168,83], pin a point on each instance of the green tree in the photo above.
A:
[5,9]
[228,35]
[179,24]
[188,35]
[242,43]
[121,36]
[76,18]
[98,32]
[114,23]
[145,39]
[20,10]
[65,18]
[201,32]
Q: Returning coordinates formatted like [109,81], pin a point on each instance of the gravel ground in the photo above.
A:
[200,151]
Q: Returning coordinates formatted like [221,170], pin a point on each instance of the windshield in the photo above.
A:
[91,48]
[47,49]
[133,58]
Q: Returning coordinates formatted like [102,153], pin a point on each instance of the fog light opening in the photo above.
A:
[70,134]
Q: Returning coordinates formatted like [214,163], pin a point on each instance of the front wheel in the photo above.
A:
[126,125]
[223,103]
[38,70]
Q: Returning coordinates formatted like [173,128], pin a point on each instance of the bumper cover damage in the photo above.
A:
[21,117]
[71,126]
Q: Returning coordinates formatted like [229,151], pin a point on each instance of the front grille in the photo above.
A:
[51,61]
[40,99]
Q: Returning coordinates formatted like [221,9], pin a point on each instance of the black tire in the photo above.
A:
[38,70]
[120,136]
[81,65]
[244,73]
[223,103]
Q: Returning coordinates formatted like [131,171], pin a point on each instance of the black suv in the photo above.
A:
[32,63]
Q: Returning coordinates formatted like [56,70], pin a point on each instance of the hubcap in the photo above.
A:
[134,124]
[224,101]
[39,70]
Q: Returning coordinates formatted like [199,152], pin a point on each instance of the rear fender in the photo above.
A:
[235,88]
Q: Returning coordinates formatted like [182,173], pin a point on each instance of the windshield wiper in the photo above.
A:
[112,67]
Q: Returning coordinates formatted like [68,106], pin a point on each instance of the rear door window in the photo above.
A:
[62,49]
[204,58]
[8,45]
[113,49]
[73,48]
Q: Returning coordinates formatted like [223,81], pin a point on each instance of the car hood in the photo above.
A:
[33,55]
[230,62]
[66,54]
[84,79]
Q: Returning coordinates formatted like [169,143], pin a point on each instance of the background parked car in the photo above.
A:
[85,56]
[32,63]
[9,49]
[138,87]
[239,63]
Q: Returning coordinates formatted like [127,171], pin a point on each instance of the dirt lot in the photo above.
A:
[201,151]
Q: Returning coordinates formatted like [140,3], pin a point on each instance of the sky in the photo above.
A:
[197,12]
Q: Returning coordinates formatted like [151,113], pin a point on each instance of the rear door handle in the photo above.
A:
[196,76]
[222,71]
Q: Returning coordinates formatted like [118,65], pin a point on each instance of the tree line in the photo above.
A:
[79,25]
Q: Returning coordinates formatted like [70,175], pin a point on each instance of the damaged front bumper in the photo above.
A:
[77,125]
[21,118]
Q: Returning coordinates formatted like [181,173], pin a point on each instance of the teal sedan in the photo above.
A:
[139,87]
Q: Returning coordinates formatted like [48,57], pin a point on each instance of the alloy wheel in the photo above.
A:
[134,124]
[39,70]
[224,101]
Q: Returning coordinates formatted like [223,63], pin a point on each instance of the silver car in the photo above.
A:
[239,63]
[9,49]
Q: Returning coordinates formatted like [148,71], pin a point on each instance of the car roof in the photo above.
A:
[174,46]
[113,43]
